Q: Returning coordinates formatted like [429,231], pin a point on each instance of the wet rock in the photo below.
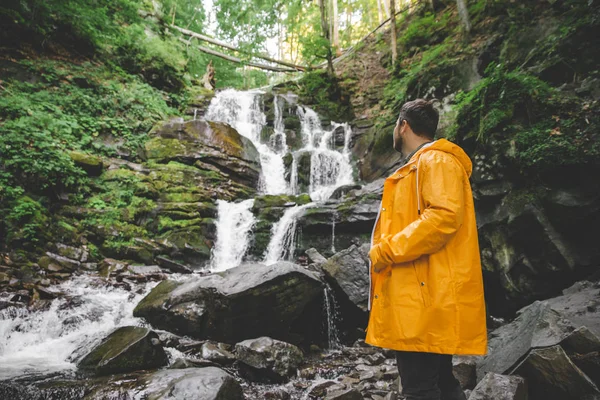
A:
[277,394]
[207,383]
[280,301]
[217,353]
[64,262]
[537,325]
[345,394]
[182,363]
[589,364]
[551,375]
[314,256]
[173,266]
[343,190]
[320,389]
[375,359]
[126,349]
[213,143]
[580,304]
[348,271]
[93,165]
[145,269]
[581,341]
[269,359]
[500,387]
[464,369]
[75,253]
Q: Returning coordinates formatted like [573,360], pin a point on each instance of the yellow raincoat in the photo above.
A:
[429,295]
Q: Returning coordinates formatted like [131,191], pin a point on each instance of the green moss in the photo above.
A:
[545,128]
[161,149]
[156,298]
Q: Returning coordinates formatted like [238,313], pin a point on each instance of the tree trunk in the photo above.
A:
[435,5]
[379,11]
[393,31]
[463,12]
[325,28]
[386,7]
[230,47]
[336,29]
[237,60]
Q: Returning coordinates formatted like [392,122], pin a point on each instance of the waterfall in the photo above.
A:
[283,234]
[234,226]
[278,140]
[329,168]
[243,111]
[332,315]
[43,342]
[333,233]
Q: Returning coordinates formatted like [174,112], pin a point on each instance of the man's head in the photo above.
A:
[417,117]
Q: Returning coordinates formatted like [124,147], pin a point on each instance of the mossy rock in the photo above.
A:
[127,349]
[93,165]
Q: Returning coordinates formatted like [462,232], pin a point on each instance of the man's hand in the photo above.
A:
[375,259]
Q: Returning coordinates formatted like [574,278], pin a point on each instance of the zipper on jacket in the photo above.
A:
[372,237]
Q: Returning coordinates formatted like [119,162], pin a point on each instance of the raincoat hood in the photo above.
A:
[450,148]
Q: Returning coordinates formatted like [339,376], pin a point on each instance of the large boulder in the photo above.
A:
[580,304]
[268,359]
[209,383]
[551,375]
[282,300]
[206,144]
[348,271]
[536,326]
[127,349]
[500,387]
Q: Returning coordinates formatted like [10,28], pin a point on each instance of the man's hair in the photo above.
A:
[421,116]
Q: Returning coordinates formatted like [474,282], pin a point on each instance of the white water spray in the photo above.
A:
[44,342]
[234,226]
[243,111]
[283,235]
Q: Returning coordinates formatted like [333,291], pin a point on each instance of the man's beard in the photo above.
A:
[398,144]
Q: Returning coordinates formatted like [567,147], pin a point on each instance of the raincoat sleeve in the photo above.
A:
[442,192]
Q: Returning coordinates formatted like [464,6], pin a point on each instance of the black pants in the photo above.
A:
[428,376]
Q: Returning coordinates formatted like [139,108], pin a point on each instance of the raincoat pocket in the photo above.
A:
[422,283]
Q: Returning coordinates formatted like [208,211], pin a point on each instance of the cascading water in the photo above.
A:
[283,234]
[329,169]
[234,226]
[43,342]
[242,110]
[333,337]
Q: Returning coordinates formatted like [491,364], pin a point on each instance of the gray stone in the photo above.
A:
[145,269]
[349,272]
[500,387]
[551,375]
[269,359]
[173,266]
[211,351]
[345,394]
[314,256]
[252,300]
[207,383]
[536,326]
[319,389]
[127,349]
[464,368]
[581,341]
[580,304]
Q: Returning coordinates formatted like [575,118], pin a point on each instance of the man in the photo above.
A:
[426,296]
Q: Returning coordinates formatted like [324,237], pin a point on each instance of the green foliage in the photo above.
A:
[26,221]
[424,31]
[318,89]
[546,128]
